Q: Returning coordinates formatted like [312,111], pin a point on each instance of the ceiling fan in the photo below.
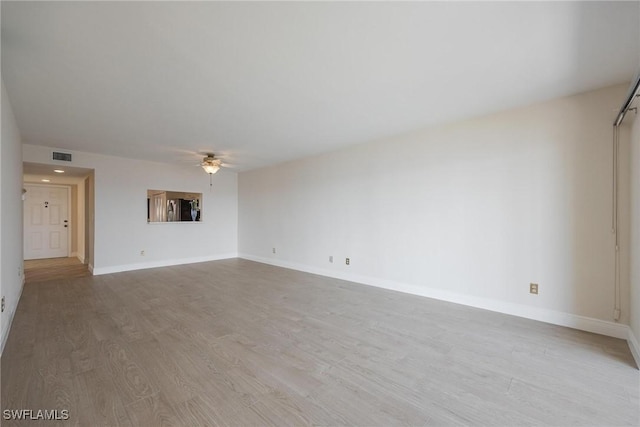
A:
[210,164]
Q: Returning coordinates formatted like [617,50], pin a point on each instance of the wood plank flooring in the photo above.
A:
[41,270]
[240,343]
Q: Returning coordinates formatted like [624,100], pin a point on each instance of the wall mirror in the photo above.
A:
[173,206]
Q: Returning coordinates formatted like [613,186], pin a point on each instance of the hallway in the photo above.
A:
[42,270]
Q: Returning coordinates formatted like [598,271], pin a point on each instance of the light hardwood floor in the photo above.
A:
[41,270]
[235,342]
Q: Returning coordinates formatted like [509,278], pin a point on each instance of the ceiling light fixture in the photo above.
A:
[58,171]
[46,180]
[210,165]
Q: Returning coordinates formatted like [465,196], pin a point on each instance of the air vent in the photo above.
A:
[64,157]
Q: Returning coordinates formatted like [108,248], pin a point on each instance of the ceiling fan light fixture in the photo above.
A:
[210,164]
[208,168]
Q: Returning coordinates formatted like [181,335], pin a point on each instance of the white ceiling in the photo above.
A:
[261,83]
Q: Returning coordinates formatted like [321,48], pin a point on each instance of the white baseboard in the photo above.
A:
[634,346]
[12,313]
[583,323]
[154,264]
[78,255]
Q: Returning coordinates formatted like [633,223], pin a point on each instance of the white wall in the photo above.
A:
[121,229]
[11,274]
[470,212]
[635,235]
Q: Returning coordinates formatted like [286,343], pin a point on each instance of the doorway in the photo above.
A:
[58,220]
[46,221]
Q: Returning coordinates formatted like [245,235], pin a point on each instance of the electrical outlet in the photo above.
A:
[142,253]
[347,261]
[331,258]
[273,250]
[20,271]
[2,306]
[533,288]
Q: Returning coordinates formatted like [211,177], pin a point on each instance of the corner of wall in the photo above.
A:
[634,274]
[634,346]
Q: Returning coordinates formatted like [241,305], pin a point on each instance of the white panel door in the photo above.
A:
[46,222]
